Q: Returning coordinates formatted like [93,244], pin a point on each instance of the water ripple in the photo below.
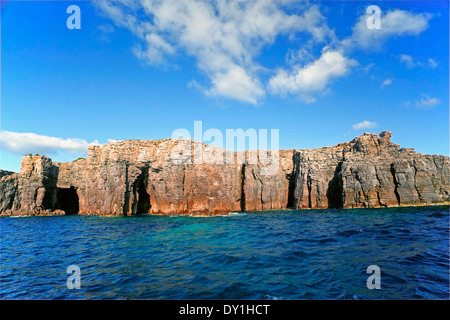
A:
[313,254]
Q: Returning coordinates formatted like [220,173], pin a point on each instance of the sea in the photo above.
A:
[388,253]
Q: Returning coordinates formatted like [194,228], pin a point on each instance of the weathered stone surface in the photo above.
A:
[179,176]
[316,178]
[9,193]
[4,173]
[33,190]
[377,173]
[263,191]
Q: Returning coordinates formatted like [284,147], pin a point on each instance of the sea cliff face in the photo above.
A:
[160,177]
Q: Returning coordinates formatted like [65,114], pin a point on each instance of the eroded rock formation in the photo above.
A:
[178,176]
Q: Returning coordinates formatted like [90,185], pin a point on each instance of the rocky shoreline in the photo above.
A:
[140,176]
[48,213]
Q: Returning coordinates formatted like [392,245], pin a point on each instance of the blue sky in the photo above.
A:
[313,70]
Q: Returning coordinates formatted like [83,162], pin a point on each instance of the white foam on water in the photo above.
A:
[237,214]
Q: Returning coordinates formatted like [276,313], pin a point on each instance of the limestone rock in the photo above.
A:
[180,176]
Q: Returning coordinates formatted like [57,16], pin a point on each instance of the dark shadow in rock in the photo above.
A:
[67,200]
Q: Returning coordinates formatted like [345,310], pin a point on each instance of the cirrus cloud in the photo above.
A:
[427,102]
[410,63]
[386,82]
[407,60]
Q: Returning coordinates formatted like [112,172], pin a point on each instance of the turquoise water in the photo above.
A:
[308,254]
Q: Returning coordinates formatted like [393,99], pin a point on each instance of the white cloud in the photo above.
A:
[22,143]
[432,64]
[393,23]
[364,125]
[194,85]
[407,60]
[410,63]
[368,67]
[223,36]
[236,84]
[313,77]
[386,82]
[156,50]
[104,30]
[427,102]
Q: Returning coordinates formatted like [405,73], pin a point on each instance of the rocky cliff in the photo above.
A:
[178,176]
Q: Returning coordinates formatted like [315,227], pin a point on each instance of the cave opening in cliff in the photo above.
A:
[335,189]
[67,200]
[142,203]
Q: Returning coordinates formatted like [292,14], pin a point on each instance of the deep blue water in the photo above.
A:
[308,254]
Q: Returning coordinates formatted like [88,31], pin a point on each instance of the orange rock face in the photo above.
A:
[178,176]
